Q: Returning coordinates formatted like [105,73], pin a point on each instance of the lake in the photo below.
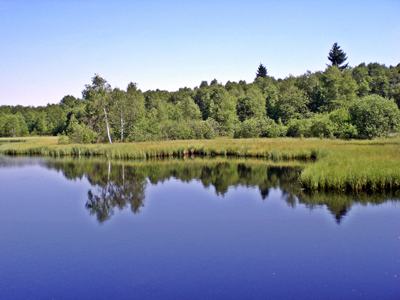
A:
[189,229]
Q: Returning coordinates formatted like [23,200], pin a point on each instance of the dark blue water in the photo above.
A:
[184,230]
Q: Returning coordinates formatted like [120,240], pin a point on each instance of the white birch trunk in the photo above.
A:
[107,125]
[122,128]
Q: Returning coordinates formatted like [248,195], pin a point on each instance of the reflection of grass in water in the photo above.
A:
[117,184]
[340,165]
[340,203]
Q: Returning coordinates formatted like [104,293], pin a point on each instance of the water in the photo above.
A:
[189,230]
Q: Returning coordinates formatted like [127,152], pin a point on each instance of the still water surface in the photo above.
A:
[220,229]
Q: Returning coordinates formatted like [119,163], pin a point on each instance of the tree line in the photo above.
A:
[341,101]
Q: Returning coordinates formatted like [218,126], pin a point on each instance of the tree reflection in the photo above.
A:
[124,188]
[118,185]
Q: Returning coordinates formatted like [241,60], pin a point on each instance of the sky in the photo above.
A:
[52,48]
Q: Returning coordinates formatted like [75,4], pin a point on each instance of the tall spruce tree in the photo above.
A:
[261,71]
[337,57]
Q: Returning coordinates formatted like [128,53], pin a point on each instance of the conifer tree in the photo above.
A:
[261,71]
[337,57]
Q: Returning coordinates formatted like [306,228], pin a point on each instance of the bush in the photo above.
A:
[299,128]
[174,130]
[374,116]
[343,128]
[260,127]
[81,134]
[347,131]
[249,128]
[63,140]
[271,129]
[147,129]
[202,130]
[322,126]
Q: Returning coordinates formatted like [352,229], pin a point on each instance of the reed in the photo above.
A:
[272,149]
[372,165]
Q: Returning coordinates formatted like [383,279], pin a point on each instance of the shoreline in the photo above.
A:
[329,164]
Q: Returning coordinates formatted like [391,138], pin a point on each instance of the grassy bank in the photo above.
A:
[340,165]
[272,149]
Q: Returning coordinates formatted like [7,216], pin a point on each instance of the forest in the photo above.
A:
[345,102]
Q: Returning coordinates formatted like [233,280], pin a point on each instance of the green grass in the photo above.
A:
[339,165]
[273,149]
[373,166]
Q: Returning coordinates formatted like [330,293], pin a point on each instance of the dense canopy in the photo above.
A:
[341,101]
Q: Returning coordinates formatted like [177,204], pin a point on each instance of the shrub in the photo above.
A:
[343,128]
[145,130]
[249,128]
[81,134]
[347,131]
[299,128]
[322,126]
[374,116]
[174,130]
[202,130]
[269,128]
[63,140]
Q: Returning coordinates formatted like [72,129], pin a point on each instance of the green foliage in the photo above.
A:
[249,128]
[314,104]
[12,125]
[374,116]
[342,124]
[251,105]
[272,129]
[80,133]
[40,127]
[291,103]
[361,76]
[188,109]
[202,129]
[338,88]
[260,127]
[223,111]
[379,83]
[173,130]
[322,126]
[312,85]
[299,128]
[63,140]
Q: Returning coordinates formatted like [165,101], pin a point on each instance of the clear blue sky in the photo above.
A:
[52,48]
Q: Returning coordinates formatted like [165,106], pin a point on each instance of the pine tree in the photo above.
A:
[261,71]
[337,57]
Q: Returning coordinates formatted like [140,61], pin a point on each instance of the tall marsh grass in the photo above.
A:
[272,149]
[333,164]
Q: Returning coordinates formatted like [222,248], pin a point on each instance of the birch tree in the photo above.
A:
[98,97]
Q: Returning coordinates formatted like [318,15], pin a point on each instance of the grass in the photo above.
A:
[373,166]
[272,149]
[356,166]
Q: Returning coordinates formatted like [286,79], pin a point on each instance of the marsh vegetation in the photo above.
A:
[356,165]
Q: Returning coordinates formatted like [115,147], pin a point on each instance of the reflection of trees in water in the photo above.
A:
[118,185]
[118,192]
[114,186]
[340,204]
